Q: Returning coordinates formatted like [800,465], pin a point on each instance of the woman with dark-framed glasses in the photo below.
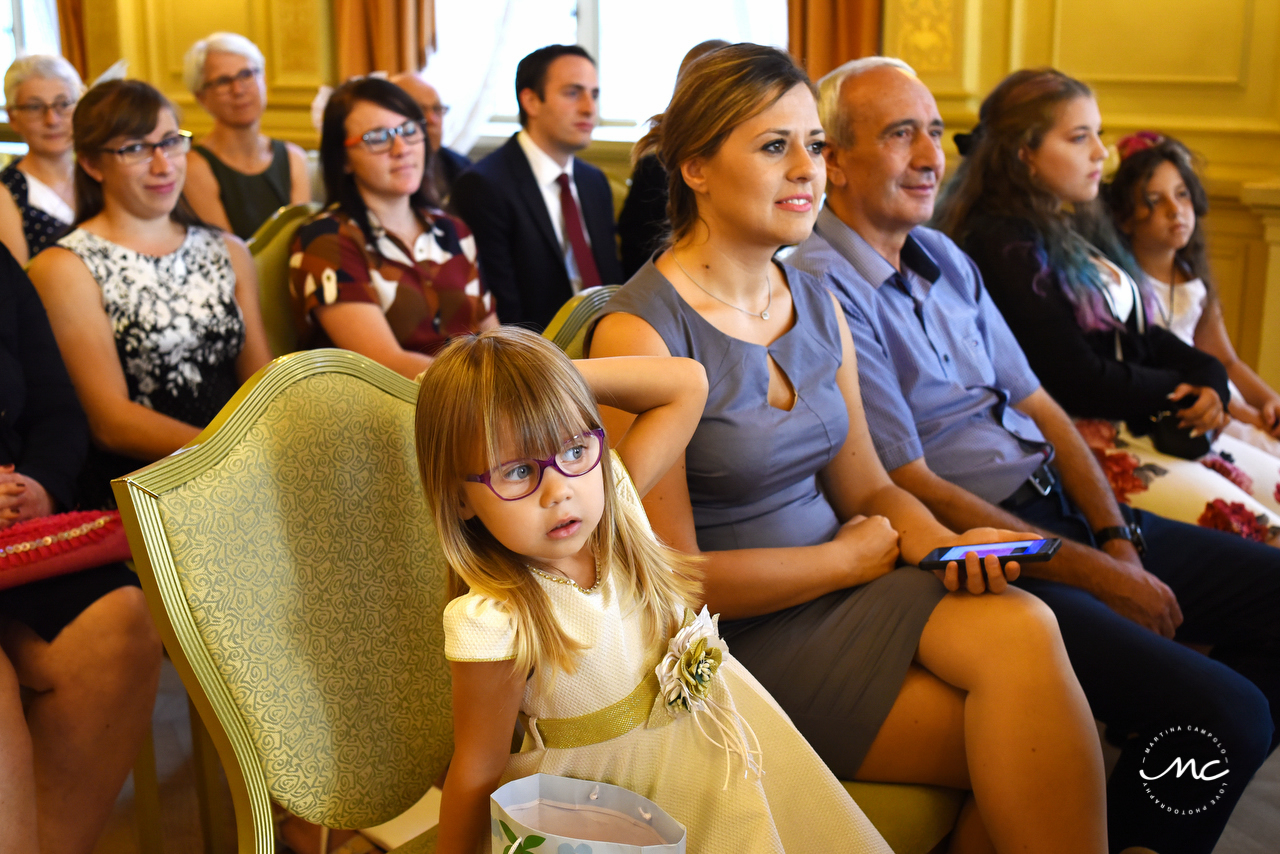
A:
[40,94]
[239,176]
[380,271]
[155,313]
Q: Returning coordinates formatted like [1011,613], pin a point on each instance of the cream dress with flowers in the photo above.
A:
[796,805]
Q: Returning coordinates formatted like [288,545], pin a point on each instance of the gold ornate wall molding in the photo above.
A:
[939,39]
[925,36]
[295,37]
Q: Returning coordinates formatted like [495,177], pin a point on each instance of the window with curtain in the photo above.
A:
[637,46]
[27,26]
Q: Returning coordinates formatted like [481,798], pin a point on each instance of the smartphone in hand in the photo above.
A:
[1023,551]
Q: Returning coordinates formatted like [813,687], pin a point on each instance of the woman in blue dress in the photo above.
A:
[889,676]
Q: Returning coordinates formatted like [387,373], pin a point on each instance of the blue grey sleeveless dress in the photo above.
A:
[835,664]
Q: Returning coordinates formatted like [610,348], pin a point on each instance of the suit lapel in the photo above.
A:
[527,191]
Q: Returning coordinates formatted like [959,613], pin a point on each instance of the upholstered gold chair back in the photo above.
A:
[270,249]
[568,328]
[291,563]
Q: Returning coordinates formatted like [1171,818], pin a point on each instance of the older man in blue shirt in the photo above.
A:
[960,420]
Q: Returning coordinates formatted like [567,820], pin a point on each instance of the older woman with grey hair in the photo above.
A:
[239,176]
[40,93]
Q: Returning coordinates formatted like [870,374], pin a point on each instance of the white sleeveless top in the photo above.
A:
[1180,306]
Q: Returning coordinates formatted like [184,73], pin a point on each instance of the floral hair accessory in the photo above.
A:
[1140,141]
[685,680]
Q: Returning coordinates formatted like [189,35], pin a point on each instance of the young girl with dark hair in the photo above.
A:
[156,314]
[1024,204]
[382,271]
[1158,202]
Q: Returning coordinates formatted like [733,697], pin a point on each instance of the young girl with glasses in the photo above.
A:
[566,603]
[383,271]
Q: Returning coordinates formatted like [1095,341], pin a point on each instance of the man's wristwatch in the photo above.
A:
[1122,532]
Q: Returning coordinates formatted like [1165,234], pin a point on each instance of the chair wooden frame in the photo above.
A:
[138,497]
[565,329]
[273,296]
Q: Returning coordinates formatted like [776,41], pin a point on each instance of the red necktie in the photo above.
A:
[577,240]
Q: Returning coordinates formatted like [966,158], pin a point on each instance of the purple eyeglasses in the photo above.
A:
[520,478]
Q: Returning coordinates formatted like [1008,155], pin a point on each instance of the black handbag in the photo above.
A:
[1177,441]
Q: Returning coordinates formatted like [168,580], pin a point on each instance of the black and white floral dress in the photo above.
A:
[177,326]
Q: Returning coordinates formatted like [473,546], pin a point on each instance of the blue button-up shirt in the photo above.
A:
[938,367]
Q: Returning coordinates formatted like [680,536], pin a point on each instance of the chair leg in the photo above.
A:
[146,798]
[205,762]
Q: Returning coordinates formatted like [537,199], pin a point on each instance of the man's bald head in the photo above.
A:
[833,109]
[426,96]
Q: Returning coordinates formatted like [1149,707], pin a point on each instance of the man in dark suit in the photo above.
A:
[445,164]
[543,219]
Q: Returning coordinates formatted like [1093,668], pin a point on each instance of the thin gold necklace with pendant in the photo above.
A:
[763,315]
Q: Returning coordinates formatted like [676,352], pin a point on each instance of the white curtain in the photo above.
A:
[468,75]
[39,27]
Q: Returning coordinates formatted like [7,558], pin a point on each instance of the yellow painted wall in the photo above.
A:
[295,37]
[1206,71]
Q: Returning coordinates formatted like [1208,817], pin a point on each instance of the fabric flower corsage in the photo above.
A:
[692,659]
[685,677]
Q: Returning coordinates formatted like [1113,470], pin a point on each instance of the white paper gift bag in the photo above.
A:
[545,814]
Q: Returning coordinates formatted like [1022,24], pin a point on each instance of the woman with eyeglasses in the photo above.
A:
[155,313]
[239,176]
[381,271]
[40,93]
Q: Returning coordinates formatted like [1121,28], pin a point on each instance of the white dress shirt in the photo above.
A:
[545,173]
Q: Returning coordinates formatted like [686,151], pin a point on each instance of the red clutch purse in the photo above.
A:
[59,544]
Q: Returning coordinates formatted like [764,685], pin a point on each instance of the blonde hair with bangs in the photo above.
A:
[511,384]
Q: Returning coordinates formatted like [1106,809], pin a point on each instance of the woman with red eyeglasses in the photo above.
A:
[381,271]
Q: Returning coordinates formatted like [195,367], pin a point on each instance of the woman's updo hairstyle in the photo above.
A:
[117,109]
[714,95]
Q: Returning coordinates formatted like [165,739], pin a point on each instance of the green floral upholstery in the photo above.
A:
[303,581]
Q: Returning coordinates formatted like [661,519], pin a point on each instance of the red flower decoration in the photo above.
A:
[1098,433]
[1233,518]
[1229,471]
[1140,141]
[1121,470]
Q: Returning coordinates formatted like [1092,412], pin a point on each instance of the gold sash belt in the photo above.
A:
[607,723]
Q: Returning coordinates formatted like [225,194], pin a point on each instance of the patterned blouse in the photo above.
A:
[427,300]
[177,326]
[39,227]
